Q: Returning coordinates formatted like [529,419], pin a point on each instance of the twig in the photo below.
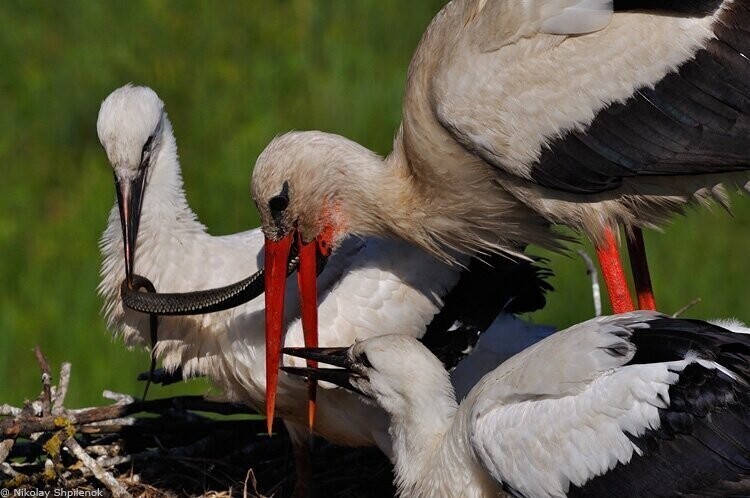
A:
[62,389]
[686,307]
[37,408]
[123,421]
[121,399]
[102,475]
[10,410]
[5,448]
[46,381]
[250,476]
[592,273]
[25,426]
[103,450]
[114,461]
[6,469]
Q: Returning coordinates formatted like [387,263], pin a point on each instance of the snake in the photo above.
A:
[157,304]
[192,303]
[196,302]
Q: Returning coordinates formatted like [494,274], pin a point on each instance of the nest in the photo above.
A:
[179,446]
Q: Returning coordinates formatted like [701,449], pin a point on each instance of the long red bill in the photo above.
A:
[276,255]
[306,280]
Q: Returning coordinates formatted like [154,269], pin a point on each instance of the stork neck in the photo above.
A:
[385,199]
[428,448]
[446,214]
[419,433]
[164,204]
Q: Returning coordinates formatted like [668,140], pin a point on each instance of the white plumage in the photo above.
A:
[507,336]
[369,287]
[522,114]
[583,412]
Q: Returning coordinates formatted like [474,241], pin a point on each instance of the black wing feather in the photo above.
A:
[684,7]
[702,446]
[694,121]
[484,291]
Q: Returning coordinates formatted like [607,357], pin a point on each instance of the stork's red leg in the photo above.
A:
[641,275]
[614,275]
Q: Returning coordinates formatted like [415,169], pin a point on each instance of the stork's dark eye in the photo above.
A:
[146,151]
[147,145]
[365,360]
[278,203]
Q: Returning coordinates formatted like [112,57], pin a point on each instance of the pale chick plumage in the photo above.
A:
[368,288]
[128,117]
[572,407]
[491,85]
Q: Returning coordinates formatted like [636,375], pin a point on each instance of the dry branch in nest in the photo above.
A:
[179,446]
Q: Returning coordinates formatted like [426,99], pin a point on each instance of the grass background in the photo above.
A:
[232,76]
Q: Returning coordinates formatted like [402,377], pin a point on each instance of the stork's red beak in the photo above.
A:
[277,253]
[307,273]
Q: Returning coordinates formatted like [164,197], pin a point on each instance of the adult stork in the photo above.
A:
[368,286]
[519,114]
[637,404]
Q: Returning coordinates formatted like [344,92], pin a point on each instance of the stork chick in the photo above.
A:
[637,404]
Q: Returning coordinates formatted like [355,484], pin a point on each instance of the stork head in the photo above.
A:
[130,124]
[300,186]
[305,186]
[397,371]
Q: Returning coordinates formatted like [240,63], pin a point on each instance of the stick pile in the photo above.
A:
[165,447]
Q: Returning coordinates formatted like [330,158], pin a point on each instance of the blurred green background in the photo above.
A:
[232,76]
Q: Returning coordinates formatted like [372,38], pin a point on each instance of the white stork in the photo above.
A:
[519,114]
[368,287]
[637,404]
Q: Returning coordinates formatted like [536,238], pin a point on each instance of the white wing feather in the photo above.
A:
[567,361]
[506,337]
[558,412]
[522,73]
[583,16]
[541,447]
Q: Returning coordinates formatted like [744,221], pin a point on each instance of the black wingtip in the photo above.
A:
[692,8]
[671,339]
